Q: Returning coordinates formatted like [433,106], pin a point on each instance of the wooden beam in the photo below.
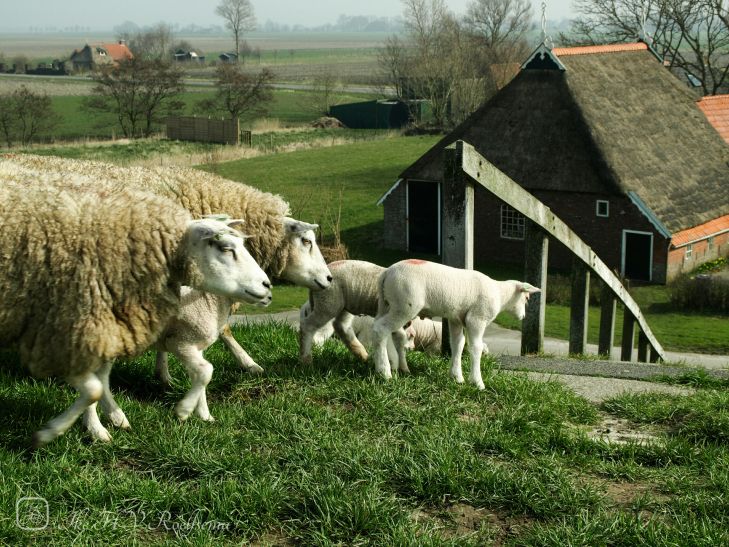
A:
[496,182]
[457,223]
[642,347]
[608,306]
[579,305]
[626,351]
[536,254]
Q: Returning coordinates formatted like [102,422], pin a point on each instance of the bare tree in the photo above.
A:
[499,28]
[138,92]
[393,61]
[239,94]
[150,43]
[239,18]
[25,115]
[692,36]
[326,88]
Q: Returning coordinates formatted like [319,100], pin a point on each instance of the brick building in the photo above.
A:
[91,57]
[607,138]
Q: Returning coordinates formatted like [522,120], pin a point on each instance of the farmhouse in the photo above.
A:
[92,56]
[607,138]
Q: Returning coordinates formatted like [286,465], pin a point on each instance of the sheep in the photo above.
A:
[353,291]
[284,247]
[91,276]
[361,327]
[466,298]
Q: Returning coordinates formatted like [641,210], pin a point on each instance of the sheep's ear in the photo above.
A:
[292,225]
[530,289]
[235,223]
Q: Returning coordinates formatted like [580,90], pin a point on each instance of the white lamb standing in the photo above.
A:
[353,292]
[284,247]
[91,276]
[466,298]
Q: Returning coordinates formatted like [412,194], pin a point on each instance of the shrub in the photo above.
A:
[704,293]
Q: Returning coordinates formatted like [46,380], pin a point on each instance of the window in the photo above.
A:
[689,250]
[710,243]
[602,208]
[512,223]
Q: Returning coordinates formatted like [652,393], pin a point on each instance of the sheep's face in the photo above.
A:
[224,265]
[305,266]
[517,303]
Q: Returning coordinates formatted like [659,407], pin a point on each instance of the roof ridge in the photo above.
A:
[605,48]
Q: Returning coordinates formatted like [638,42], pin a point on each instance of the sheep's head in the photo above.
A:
[305,265]
[219,263]
[517,303]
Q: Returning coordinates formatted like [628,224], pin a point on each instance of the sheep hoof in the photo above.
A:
[100,434]
[42,438]
[305,359]
[182,414]
[253,369]
[118,419]
[209,418]
[481,386]
[165,379]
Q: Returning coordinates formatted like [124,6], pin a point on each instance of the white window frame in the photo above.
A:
[607,208]
[516,219]
[689,250]
[622,252]
[710,243]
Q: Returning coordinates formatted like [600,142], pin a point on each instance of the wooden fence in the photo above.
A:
[464,167]
[190,128]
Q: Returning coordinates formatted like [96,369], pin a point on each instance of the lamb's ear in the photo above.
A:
[235,223]
[530,289]
[292,225]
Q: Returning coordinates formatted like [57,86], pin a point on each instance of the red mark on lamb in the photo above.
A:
[415,261]
[335,264]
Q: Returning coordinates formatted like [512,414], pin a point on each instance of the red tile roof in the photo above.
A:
[609,48]
[713,227]
[716,110]
[118,52]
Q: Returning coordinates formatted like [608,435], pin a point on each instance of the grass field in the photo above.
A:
[329,454]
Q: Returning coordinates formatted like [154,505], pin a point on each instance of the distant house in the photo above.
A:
[607,138]
[228,57]
[188,56]
[92,56]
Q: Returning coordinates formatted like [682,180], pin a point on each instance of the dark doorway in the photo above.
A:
[637,255]
[423,217]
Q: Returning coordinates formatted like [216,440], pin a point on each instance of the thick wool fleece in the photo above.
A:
[200,192]
[85,276]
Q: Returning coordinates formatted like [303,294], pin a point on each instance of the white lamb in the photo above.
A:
[466,298]
[353,291]
[91,276]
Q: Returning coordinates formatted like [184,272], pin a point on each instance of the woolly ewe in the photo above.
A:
[466,298]
[91,276]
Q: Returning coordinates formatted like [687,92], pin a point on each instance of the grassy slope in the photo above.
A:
[328,453]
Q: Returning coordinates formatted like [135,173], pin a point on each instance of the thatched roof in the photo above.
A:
[615,121]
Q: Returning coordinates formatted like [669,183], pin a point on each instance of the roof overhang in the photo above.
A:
[390,191]
[543,58]
[648,214]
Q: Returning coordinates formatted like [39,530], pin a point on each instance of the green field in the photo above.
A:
[328,454]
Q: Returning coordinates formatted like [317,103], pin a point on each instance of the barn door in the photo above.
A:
[637,255]
[423,204]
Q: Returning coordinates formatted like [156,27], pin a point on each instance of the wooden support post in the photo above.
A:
[608,305]
[626,352]
[457,219]
[579,302]
[642,347]
[536,254]
[654,356]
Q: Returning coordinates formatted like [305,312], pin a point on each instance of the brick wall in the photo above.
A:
[701,252]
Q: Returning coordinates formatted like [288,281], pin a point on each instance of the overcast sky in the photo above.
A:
[104,15]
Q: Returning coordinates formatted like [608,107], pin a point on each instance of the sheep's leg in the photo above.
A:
[308,328]
[162,368]
[455,330]
[108,405]
[400,340]
[244,360]
[93,425]
[382,329]
[90,389]
[343,328]
[475,332]
[200,372]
